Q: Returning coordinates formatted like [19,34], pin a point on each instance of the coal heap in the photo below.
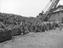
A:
[14,25]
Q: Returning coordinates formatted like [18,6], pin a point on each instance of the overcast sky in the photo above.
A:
[24,7]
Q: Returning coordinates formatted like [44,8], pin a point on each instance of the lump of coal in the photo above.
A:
[5,35]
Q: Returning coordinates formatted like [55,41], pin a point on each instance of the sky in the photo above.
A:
[28,8]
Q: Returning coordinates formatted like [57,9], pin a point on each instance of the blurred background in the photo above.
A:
[28,8]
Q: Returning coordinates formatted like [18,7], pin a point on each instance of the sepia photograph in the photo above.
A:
[31,23]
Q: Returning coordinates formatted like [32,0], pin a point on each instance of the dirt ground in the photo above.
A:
[49,39]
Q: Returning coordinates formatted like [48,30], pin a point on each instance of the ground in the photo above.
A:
[48,39]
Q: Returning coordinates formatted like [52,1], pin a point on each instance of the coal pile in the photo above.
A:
[14,25]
